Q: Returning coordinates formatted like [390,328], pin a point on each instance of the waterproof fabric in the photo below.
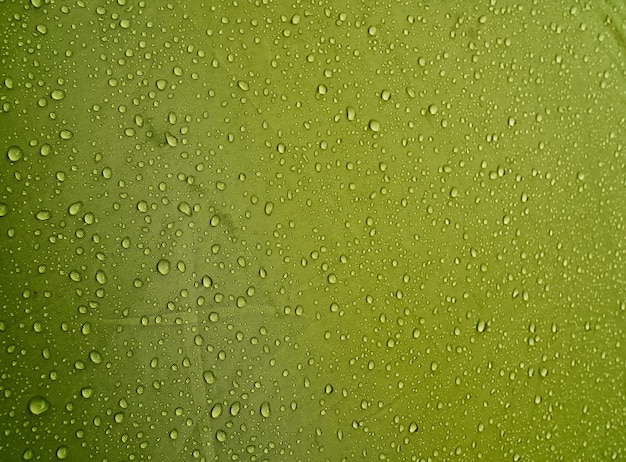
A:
[312,231]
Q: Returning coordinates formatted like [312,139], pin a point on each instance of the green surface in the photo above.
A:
[313,232]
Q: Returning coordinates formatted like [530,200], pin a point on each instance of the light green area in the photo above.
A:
[311,231]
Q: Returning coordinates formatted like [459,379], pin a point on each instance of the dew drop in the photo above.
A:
[350,113]
[209,377]
[57,95]
[43,215]
[14,153]
[216,411]
[163,266]
[265,409]
[374,125]
[38,405]
[220,435]
[74,208]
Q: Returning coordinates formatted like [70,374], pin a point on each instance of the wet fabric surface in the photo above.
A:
[312,231]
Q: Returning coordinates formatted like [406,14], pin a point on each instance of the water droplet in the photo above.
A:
[45,150]
[95,356]
[220,435]
[66,134]
[216,410]
[350,113]
[38,405]
[374,125]
[14,153]
[75,276]
[265,409]
[171,140]
[209,377]
[185,208]
[164,266]
[74,208]
[57,95]
[43,215]
[63,452]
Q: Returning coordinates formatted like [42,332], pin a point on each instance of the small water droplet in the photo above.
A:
[101,277]
[74,208]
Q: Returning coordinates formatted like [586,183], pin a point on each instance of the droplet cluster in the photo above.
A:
[312,231]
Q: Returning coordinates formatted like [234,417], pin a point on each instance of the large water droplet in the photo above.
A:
[38,405]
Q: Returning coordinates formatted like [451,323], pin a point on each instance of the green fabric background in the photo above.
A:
[312,231]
